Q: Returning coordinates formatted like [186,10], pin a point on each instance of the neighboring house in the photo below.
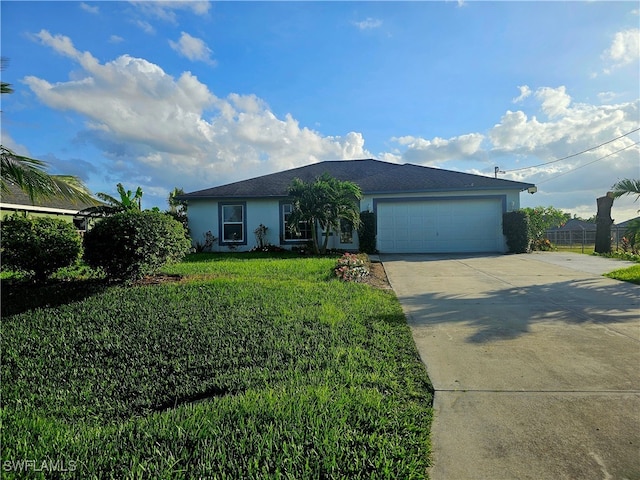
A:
[622,226]
[18,201]
[574,231]
[418,209]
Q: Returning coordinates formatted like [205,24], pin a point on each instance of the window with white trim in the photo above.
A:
[304,229]
[346,231]
[233,223]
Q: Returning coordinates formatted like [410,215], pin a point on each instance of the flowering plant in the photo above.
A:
[351,268]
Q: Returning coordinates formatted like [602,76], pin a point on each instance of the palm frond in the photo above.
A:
[30,176]
[627,186]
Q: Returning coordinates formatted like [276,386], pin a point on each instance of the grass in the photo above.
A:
[631,274]
[254,366]
[587,249]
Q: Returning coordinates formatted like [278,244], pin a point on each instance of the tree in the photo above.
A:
[178,208]
[323,204]
[30,175]
[5,87]
[627,186]
[542,219]
[129,201]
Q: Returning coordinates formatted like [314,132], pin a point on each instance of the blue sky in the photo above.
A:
[198,94]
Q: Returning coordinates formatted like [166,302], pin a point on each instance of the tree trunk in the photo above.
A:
[603,224]
[314,236]
[325,241]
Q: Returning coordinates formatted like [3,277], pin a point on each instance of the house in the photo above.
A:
[417,209]
[574,231]
[16,200]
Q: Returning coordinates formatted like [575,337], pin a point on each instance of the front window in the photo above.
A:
[304,229]
[233,225]
[346,231]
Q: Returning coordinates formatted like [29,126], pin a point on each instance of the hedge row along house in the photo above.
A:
[417,209]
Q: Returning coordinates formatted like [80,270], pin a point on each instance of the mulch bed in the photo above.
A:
[377,277]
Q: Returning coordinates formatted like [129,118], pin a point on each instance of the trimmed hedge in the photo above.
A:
[38,246]
[515,226]
[130,245]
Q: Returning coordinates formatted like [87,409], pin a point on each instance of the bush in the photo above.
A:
[130,245]
[38,246]
[515,226]
[542,245]
[367,232]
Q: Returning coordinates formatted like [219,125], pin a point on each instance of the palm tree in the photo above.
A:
[324,203]
[627,186]
[30,176]
[129,201]
[4,87]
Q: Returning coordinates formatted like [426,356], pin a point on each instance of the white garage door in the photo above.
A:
[440,226]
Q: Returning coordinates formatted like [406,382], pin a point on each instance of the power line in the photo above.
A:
[576,154]
[589,163]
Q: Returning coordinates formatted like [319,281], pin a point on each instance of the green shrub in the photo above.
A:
[515,226]
[130,245]
[367,232]
[38,246]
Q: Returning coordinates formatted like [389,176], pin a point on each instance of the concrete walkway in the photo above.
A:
[535,360]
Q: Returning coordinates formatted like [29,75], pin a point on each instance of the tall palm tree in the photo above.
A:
[30,175]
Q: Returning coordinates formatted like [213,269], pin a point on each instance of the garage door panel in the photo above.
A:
[440,226]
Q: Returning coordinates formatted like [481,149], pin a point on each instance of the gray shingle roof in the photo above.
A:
[16,196]
[373,176]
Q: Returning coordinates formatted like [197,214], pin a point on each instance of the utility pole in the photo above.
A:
[496,171]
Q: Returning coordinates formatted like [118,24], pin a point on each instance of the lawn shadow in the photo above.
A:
[19,296]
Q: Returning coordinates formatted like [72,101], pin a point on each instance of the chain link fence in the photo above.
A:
[584,238]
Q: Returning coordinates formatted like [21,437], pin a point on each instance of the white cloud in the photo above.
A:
[624,49]
[88,8]
[439,150]
[555,101]
[368,24]
[525,91]
[522,139]
[174,130]
[607,96]
[165,10]
[146,27]
[572,127]
[115,39]
[11,144]
[192,48]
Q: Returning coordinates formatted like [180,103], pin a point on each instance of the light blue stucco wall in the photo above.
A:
[203,216]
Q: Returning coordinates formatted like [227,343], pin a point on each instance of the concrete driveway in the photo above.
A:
[535,361]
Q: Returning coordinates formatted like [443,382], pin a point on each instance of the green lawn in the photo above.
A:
[630,274]
[253,366]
